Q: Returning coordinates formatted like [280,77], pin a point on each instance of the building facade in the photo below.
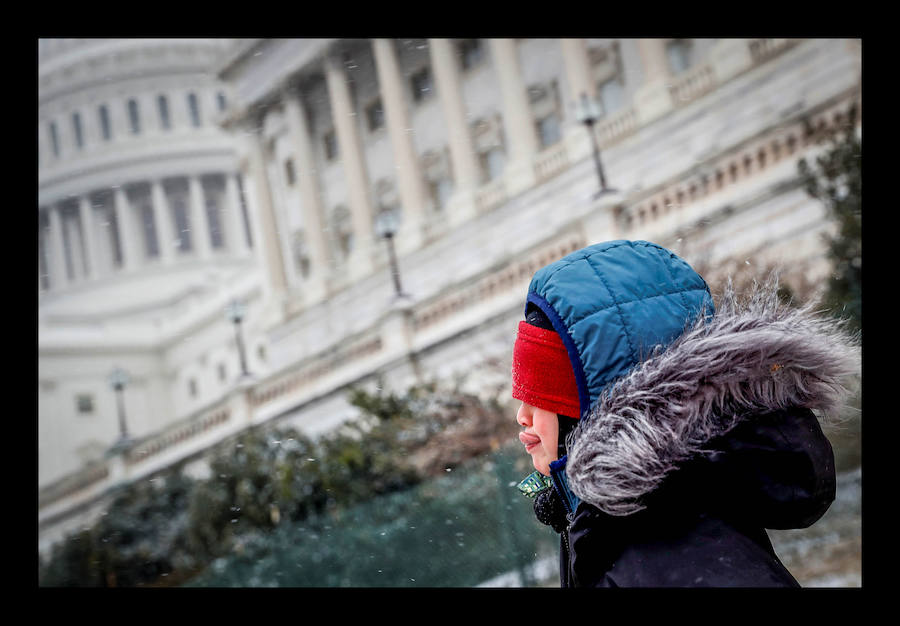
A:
[480,151]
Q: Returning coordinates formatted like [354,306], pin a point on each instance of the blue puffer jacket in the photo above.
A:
[696,429]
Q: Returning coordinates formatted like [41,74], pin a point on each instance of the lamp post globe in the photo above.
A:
[118,379]
[387,223]
[587,112]
[235,312]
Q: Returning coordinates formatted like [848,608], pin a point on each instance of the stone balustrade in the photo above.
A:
[70,486]
[552,161]
[616,127]
[692,84]
[100,476]
[491,195]
[174,436]
[736,166]
[313,369]
[762,50]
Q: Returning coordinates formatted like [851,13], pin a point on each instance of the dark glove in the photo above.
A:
[549,510]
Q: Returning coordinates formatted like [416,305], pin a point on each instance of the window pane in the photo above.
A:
[549,130]
[85,403]
[194,106]
[151,244]
[163,104]
[375,115]
[611,96]
[289,171]
[470,52]
[212,215]
[54,139]
[330,145]
[134,117]
[220,97]
[496,160]
[104,122]
[421,85]
[182,224]
[678,52]
[76,126]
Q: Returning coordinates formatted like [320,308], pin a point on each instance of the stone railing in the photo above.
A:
[177,435]
[735,167]
[101,475]
[72,484]
[490,195]
[764,49]
[456,300]
[314,369]
[617,126]
[551,162]
[692,84]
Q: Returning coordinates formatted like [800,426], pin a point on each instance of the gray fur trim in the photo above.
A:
[752,357]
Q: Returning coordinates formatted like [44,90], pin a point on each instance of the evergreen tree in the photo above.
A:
[836,179]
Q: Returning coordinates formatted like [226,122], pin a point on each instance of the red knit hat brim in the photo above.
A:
[542,374]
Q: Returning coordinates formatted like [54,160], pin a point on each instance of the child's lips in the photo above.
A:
[529,439]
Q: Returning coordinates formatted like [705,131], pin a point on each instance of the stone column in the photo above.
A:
[125,223]
[521,135]
[577,64]
[310,190]
[89,234]
[353,161]
[278,188]
[199,220]
[237,237]
[266,243]
[462,150]
[413,195]
[653,98]
[71,234]
[165,227]
[59,276]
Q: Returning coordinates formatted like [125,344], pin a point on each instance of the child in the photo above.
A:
[667,436]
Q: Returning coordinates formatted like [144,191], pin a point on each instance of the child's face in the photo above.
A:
[540,436]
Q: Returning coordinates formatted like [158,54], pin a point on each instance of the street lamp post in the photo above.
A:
[234,312]
[386,225]
[588,112]
[118,379]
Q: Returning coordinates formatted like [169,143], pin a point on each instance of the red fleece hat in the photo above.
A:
[542,374]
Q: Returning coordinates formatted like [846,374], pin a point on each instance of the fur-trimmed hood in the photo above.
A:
[756,356]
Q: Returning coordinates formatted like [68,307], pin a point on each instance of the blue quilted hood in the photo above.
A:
[613,303]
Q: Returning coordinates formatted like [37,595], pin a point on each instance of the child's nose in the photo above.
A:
[523,417]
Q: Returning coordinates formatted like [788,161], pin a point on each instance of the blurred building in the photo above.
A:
[472,162]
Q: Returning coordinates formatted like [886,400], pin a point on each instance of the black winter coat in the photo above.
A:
[705,526]
[674,474]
